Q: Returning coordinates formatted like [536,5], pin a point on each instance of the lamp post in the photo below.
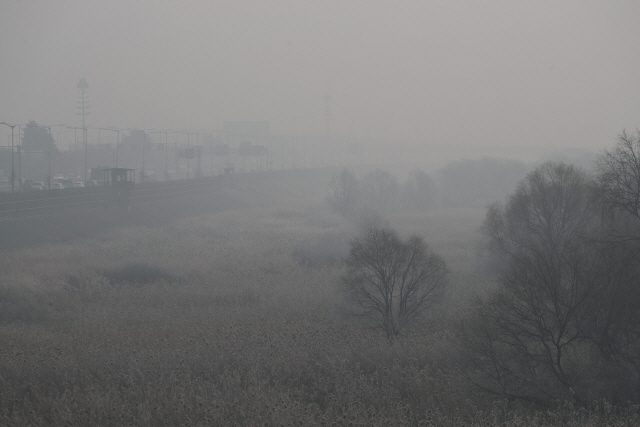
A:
[12,164]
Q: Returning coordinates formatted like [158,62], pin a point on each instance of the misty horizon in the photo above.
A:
[497,73]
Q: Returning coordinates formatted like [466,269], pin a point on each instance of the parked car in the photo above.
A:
[78,184]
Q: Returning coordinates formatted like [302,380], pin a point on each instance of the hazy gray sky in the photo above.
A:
[466,72]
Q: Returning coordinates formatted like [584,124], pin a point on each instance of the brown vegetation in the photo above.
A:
[235,319]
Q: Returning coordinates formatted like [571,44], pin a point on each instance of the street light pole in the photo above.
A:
[13,174]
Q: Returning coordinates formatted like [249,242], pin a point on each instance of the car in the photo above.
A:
[37,186]
[77,184]
[58,177]
[57,186]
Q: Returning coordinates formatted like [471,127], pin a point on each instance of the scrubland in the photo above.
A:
[236,319]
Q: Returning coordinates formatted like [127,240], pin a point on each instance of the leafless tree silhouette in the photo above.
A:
[390,282]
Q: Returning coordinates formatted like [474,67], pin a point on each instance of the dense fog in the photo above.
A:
[418,75]
[319,213]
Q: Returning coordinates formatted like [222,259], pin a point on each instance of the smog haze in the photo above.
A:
[500,73]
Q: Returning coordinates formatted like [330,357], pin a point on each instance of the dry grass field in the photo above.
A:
[235,318]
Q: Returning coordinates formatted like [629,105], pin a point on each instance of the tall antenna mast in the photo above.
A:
[83,102]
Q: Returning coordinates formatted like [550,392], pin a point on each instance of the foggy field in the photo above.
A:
[319,213]
[235,318]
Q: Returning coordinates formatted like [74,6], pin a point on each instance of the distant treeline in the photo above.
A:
[462,183]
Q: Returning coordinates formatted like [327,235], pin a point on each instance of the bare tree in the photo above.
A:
[619,174]
[343,191]
[390,282]
[531,335]
[616,310]
[565,320]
